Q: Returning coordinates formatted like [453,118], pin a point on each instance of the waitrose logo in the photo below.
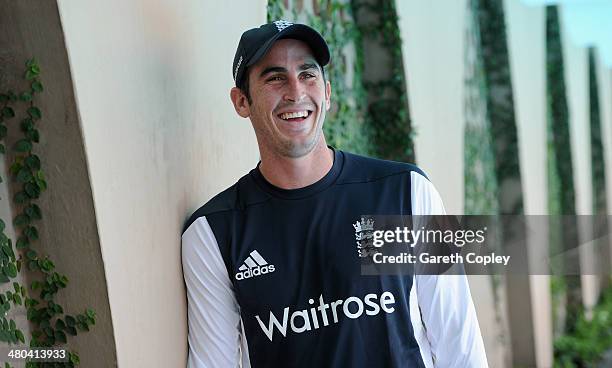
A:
[319,316]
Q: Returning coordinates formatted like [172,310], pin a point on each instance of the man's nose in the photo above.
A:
[294,91]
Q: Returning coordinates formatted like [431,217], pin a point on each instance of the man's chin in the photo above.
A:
[297,149]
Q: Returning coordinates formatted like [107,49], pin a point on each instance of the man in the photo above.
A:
[270,264]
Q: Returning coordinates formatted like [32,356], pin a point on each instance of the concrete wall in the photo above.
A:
[527,48]
[68,232]
[433,35]
[577,84]
[604,75]
[152,80]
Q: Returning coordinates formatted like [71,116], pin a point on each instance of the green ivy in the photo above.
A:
[481,190]
[388,113]
[50,324]
[561,194]
[500,104]
[591,338]
[598,173]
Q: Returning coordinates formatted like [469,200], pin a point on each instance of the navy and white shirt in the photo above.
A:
[274,280]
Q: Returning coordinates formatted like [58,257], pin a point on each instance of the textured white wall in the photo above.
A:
[433,34]
[152,80]
[526,28]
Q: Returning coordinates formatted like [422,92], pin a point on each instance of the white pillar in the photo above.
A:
[152,81]
[526,26]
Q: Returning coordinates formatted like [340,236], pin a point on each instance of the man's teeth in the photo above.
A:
[290,115]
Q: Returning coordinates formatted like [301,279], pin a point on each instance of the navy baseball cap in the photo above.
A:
[256,42]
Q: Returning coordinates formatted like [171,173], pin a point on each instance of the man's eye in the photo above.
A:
[276,78]
[309,75]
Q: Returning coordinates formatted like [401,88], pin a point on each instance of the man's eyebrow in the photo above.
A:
[280,69]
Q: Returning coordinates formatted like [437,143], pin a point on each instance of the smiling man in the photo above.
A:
[271,267]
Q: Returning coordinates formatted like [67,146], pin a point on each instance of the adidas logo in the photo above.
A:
[253,266]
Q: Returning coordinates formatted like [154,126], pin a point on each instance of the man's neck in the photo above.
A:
[294,173]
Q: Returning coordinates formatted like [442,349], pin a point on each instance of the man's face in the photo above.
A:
[289,99]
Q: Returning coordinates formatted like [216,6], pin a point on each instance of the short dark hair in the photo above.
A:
[244,86]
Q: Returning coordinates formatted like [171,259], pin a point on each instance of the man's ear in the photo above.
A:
[240,101]
[327,95]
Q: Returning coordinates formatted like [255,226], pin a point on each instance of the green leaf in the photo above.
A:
[30,74]
[33,211]
[71,330]
[16,286]
[24,175]
[35,112]
[4,278]
[30,62]
[2,149]
[21,220]
[33,265]
[19,265]
[12,96]
[60,325]
[20,198]
[2,225]
[12,325]
[33,162]
[11,270]
[8,112]
[60,336]
[23,145]
[17,299]
[37,86]
[8,251]
[31,255]
[35,68]
[22,242]
[33,135]
[70,320]
[42,184]
[26,97]
[48,266]
[3,131]
[26,124]
[15,166]
[91,313]
[58,309]
[74,358]
[83,326]
[20,336]
[33,190]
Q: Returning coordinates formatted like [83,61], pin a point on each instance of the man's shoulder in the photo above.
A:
[236,197]
[360,168]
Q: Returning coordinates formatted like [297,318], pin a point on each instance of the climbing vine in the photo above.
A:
[388,113]
[561,198]
[50,324]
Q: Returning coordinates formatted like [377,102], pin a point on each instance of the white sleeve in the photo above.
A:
[447,330]
[215,331]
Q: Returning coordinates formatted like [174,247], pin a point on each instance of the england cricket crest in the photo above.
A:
[364,235]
